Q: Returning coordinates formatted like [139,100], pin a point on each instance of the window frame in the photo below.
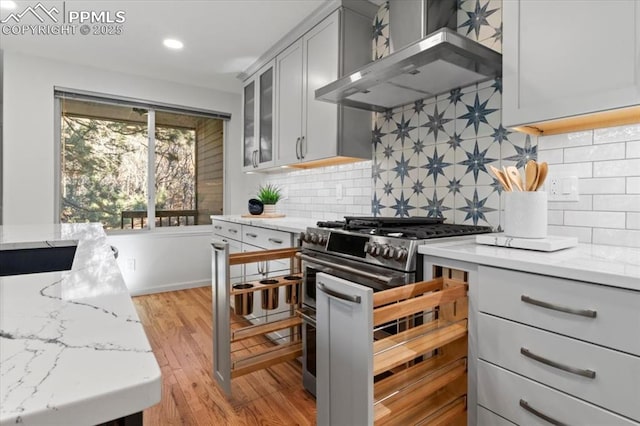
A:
[64,93]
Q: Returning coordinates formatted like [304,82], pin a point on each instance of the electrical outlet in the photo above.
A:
[562,188]
[130,264]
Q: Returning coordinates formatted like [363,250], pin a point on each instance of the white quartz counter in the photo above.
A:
[72,349]
[287,224]
[608,265]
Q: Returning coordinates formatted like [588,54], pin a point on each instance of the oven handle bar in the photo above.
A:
[338,295]
[307,318]
[344,268]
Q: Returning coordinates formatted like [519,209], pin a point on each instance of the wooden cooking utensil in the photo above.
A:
[530,175]
[514,175]
[504,181]
[543,169]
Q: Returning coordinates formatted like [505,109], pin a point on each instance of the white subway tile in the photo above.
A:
[617,134]
[602,186]
[595,219]
[633,185]
[551,156]
[582,170]
[565,140]
[612,151]
[616,237]
[585,202]
[555,217]
[633,220]
[633,149]
[624,203]
[616,168]
[583,234]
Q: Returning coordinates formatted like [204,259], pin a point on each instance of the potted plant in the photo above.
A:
[269,194]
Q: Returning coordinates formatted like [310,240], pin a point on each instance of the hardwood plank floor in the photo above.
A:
[179,327]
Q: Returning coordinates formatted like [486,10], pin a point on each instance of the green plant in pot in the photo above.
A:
[269,194]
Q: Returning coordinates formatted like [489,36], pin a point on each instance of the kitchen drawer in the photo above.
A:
[616,310]
[266,238]
[488,418]
[503,392]
[227,229]
[615,385]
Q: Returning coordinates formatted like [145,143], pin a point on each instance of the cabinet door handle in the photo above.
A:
[524,404]
[302,153]
[579,371]
[582,312]
[255,158]
[249,234]
[298,148]
[217,226]
[275,240]
[233,231]
[338,295]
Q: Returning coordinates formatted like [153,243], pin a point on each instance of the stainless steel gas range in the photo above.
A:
[379,253]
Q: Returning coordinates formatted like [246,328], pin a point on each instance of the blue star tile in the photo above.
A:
[455,95]
[475,208]
[418,146]
[497,85]
[476,161]
[477,18]
[418,187]
[454,186]
[435,206]
[376,170]
[418,106]
[388,151]
[378,27]
[388,115]
[402,168]
[402,206]
[388,188]
[402,129]
[524,154]
[376,205]
[435,165]
[376,135]
[497,35]
[500,134]
[455,140]
[497,186]
[477,113]
[436,122]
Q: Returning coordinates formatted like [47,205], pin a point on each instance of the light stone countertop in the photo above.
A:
[287,223]
[72,349]
[609,265]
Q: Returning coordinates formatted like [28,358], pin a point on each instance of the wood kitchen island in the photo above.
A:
[72,349]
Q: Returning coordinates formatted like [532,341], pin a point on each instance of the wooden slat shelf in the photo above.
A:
[261,256]
[454,414]
[281,282]
[390,358]
[261,329]
[266,358]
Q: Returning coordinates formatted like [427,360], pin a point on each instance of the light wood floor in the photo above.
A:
[178,325]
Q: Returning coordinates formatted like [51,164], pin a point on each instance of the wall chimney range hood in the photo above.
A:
[435,64]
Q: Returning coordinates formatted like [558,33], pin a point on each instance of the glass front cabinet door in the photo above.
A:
[258,107]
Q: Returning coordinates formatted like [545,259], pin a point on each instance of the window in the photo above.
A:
[116,160]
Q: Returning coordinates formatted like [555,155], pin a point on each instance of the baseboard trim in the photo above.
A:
[169,287]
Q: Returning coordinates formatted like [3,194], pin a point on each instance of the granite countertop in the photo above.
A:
[287,223]
[72,349]
[608,265]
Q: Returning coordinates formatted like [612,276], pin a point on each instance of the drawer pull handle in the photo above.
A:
[248,234]
[338,295]
[524,404]
[275,241]
[582,312]
[233,231]
[579,371]
[218,227]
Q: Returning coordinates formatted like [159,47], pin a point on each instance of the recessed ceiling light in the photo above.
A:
[172,43]
[8,4]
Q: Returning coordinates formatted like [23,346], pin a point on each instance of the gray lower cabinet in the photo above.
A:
[564,58]
[344,352]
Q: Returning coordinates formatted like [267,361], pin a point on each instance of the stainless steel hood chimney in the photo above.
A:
[433,65]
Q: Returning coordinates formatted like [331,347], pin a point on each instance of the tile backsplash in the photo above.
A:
[607,163]
[431,158]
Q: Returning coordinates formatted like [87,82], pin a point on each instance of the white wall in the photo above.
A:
[28,159]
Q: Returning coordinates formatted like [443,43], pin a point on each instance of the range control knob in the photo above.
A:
[401,255]
[373,249]
[313,237]
[388,252]
[303,237]
[322,239]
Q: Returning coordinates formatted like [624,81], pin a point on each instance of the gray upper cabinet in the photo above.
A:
[258,119]
[309,130]
[563,58]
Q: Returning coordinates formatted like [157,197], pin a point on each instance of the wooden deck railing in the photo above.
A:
[173,217]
